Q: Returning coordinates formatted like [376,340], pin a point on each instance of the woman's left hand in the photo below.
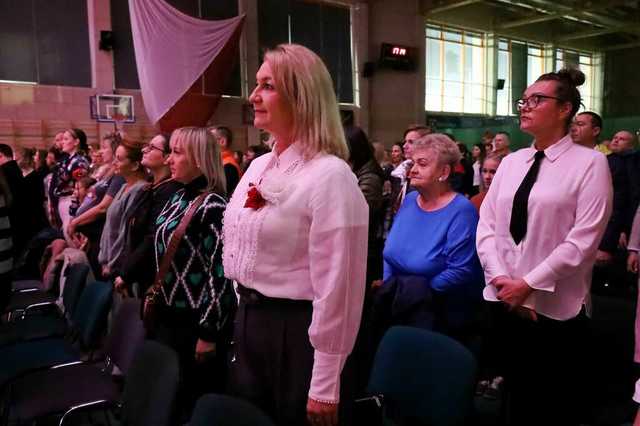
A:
[322,413]
[204,349]
[513,292]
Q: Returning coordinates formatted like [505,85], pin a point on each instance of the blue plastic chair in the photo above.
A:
[48,392]
[149,393]
[89,321]
[40,326]
[425,378]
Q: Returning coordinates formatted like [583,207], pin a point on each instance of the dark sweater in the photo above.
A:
[195,281]
[141,230]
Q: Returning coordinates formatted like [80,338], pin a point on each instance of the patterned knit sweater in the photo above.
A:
[195,280]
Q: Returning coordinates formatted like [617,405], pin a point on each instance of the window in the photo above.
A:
[535,63]
[504,105]
[516,58]
[323,28]
[584,62]
[455,66]
[33,48]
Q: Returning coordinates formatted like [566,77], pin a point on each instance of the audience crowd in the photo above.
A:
[279,269]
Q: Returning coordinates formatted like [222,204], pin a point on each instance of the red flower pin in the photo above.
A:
[254,198]
[78,174]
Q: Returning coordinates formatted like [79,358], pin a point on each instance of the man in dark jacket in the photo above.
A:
[18,212]
[608,271]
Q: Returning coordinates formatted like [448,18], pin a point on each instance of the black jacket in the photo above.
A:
[621,219]
[370,180]
[19,214]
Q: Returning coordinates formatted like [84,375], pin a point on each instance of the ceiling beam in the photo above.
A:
[450,5]
[554,12]
[621,46]
[595,33]
[531,20]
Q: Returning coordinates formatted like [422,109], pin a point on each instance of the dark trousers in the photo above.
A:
[5,290]
[271,356]
[544,364]
[178,329]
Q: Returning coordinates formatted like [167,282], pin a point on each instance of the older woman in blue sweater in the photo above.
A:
[432,275]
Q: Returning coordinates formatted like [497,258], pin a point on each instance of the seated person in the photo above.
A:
[80,191]
[430,256]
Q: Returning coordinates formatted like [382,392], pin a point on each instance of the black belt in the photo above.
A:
[253,297]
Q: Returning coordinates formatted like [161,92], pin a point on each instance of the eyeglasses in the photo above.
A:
[532,101]
[148,147]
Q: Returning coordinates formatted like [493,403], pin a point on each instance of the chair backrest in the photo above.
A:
[75,283]
[126,335]
[222,410]
[150,386]
[426,378]
[90,317]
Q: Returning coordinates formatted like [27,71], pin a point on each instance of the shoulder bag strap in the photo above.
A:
[175,241]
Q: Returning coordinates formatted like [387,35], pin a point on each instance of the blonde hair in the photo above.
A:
[302,79]
[446,150]
[203,151]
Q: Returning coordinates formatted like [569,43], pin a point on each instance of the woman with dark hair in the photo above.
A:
[397,154]
[253,152]
[462,177]
[128,165]
[53,160]
[370,180]
[34,186]
[72,168]
[139,229]
[40,160]
[478,153]
[539,230]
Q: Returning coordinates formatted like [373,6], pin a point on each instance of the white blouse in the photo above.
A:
[309,242]
[569,207]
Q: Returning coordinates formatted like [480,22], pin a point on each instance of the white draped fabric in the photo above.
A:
[173,50]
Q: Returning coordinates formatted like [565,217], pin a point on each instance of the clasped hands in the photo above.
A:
[514,292]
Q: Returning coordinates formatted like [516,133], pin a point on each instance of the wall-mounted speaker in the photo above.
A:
[500,84]
[107,41]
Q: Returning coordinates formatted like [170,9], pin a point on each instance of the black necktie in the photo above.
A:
[518,225]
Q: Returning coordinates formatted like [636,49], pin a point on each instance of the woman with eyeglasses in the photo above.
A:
[540,225]
[139,227]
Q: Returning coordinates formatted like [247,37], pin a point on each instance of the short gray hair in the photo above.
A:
[446,150]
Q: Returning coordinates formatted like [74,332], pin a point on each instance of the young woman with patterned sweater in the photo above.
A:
[199,301]
[72,168]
